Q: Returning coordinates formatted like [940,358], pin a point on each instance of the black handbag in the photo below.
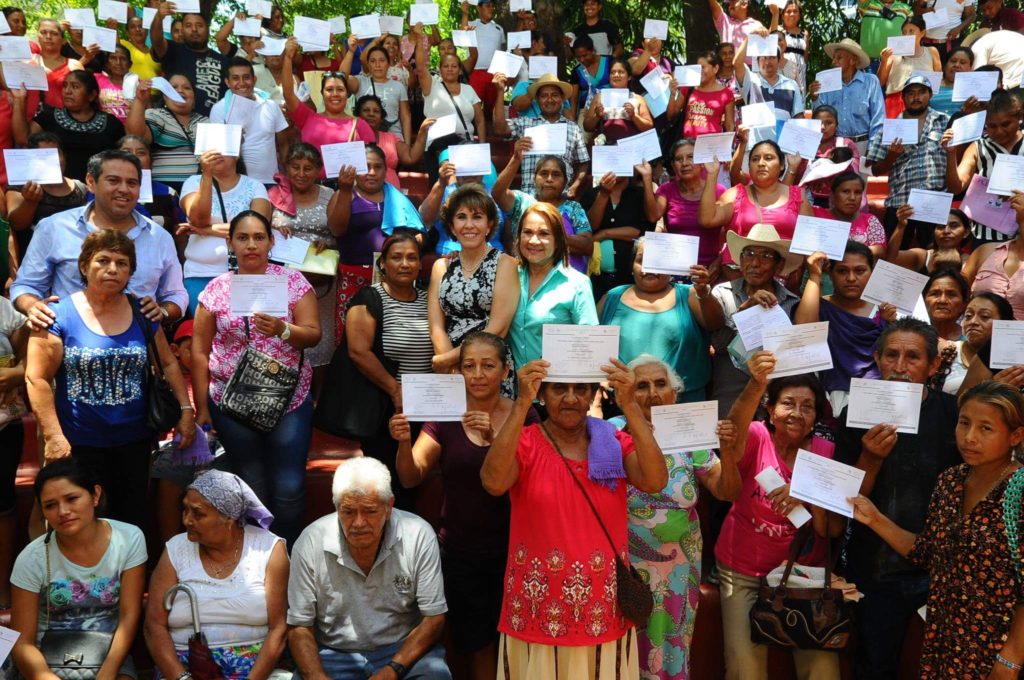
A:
[163,411]
[351,405]
[632,593]
[802,618]
[71,654]
[260,389]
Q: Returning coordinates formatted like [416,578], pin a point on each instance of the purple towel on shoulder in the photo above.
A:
[604,455]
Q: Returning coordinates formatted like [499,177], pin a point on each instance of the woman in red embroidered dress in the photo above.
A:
[560,616]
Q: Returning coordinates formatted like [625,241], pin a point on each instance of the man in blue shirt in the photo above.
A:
[860,102]
[50,271]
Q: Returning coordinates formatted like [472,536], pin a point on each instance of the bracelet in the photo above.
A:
[184,676]
[188,408]
[1009,664]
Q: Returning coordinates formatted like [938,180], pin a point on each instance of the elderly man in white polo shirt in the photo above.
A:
[365,593]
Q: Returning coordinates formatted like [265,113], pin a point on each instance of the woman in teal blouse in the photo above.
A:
[666,319]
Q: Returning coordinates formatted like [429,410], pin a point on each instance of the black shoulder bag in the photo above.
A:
[162,408]
[351,405]
[71,654]
[633,595]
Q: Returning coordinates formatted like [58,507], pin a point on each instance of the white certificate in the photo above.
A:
[903,129]
[519,40]
[884,401]
[266,293]
[112,9]
[505,62]
[612,97]
[442,127]
[934,77]
[894,284]
[715,146]
[576,353]
[520,6]
[366,26]
[646,144]
[831,80]
[614,159]
[165,88]
[344,153]
[247,28]
[433,397]
[936,18]
[751,321]
[187,6]
[824,482]
[14,48]
[796,138]
[470,160]
[686,427]
[540,66]
[7,639]
[166,24]
[392,24]
[337,25]
[688,75]
[291,250]
[18,73]
[968,128]
[146,187]
[978,84]
[423,13]
[550,139]
[1007,344]
[272,47]
[80,17]
[902,45]
[763,47]
[241,110]
[1007,174]
[813,234]
[758,115]
[462,38]
[812,124]
[930,206]
[656,28]
[227,139]
[769,479]
[4,29]
[655,82]
[666,253]
[802,348]
[259,8]
[601,44]
[314,35]
[105,38]
[41,166]
[823,168]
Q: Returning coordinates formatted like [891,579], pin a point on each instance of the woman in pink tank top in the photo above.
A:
[765,200]
[996,267]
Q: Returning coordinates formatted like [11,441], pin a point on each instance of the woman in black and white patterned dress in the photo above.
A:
[476,289]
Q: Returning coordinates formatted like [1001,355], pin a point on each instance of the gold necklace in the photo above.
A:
[234,559]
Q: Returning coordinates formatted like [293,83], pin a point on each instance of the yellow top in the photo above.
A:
[142,62]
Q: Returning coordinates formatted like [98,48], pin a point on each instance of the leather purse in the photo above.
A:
[163,411]
[71,654]
[631,591]
[802,618]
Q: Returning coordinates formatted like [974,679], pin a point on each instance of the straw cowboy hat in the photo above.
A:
[763,235]
[853,48]
[549,79]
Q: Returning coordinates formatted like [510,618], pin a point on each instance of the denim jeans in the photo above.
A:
[882,618]
[273,464]
[362,665]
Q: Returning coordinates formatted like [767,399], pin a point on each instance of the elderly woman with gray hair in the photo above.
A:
[664,531]
[238,571]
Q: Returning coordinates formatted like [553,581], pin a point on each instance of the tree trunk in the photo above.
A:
[701,35]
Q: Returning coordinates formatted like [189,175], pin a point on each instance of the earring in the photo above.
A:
[541,402]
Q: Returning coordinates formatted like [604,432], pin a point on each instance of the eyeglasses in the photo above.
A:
[762,255]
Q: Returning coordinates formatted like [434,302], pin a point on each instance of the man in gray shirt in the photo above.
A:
[365,592]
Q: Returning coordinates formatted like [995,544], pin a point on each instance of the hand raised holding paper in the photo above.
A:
[530,378]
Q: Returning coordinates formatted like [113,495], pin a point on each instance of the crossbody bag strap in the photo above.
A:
[457,109]
[220,199]
[152,353]
[184,129]
[248,341]
[579,485]
[46,588]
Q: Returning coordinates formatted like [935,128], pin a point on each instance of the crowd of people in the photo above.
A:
[199,178]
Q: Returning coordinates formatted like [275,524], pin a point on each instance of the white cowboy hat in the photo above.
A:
[763,235]
[851,46]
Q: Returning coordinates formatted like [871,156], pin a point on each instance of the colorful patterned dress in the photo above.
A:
[665,546]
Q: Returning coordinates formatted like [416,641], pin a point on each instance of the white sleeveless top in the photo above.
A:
[232,610]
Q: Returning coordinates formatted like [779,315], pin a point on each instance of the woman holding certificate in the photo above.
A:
[272,462]
[620,120]
[971,543]
[474,524]
[757,532]
[567,482]
[961,370]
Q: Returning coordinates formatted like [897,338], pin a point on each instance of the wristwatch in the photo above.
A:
[287,332]
[398,668]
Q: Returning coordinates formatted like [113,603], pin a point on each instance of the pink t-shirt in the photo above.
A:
[705,112]
[865,227]
[560,574]
[229,340]
[746,213]
[755,539]
[388,143]
[992,278]
[112,99]
[681,218]
[735,32]
[317,129]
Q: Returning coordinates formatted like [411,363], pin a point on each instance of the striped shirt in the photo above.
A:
[987,152]
[406,333]
[174,159]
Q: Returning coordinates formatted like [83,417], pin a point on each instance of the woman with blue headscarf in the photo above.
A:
[238,572]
